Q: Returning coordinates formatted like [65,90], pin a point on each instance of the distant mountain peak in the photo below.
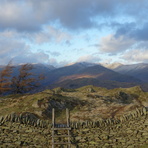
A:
[85,64]
[139,70]
[112,65]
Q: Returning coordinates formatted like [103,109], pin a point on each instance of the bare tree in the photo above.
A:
[25,81]
[5,78]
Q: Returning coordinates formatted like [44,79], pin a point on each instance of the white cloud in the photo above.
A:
[41,37]
[89,59]
[49,35]
[18,51]
[54,53]
[58,35]
[12,47]
[17,46]
[111,44]
[25,24]
[53,61]
[138,55]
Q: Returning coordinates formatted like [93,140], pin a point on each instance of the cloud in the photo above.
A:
[142,33]
[82,14]
[138,55]
[133,30]
[89,59]
[16,46]
[47,35]
[56,63]
[19,51]
[31,58]
[32,15]
[13,46]
[18,15]
[56,54]
[131,46]
[25,24]
[58,35]
[10,49]
[40,37]
[113,45]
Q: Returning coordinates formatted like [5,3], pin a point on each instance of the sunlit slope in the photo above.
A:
[85,103]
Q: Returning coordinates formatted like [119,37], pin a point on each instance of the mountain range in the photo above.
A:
[102,75]
[139,71]
[81,74]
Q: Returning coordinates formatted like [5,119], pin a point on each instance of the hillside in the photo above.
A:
[80,82]
[101,73]
[139,71]
[85,103]
[82,74]
[79,70]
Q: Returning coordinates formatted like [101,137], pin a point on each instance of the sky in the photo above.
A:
[61,32]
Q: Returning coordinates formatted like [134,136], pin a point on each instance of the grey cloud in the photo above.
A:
[141,33]
[23,15]
[68,43]
[17,15]
[78,14]
[125,29]
[35,15]
[133,31]
[75,14]
[19,52]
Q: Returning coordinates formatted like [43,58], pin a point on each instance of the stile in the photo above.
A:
[53,123]
[57,127]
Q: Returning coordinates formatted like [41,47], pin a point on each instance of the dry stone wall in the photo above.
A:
[130,131]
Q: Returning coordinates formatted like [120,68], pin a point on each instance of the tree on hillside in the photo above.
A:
[25,81]
[5,78]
